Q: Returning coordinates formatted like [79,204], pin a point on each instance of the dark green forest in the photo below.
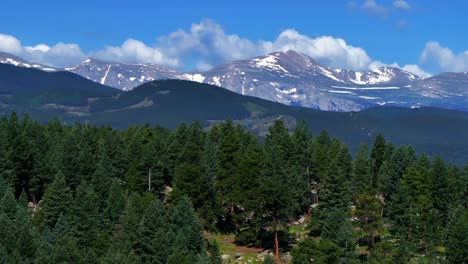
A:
[86,194]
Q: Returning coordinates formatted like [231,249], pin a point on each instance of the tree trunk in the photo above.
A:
[236,225]
[276,244]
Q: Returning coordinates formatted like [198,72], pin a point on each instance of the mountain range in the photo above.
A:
[290,78]
[72,98]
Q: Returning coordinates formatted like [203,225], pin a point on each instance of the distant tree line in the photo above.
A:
[86,194]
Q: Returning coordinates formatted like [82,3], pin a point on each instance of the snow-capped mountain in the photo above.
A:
[7,58]
[291,78]
[294,78]
[122,76]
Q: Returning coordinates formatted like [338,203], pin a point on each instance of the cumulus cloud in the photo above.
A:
[59,55]
[444,58]
[207,44]
[10,44]
[401,4]
[135,51]
[412,68]
[334,52]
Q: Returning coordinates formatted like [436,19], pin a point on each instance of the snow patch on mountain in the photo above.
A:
[270,62]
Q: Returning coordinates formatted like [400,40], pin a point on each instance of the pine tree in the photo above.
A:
[335,193]
[228,170]
[187,242]
[320,159]
[302,161]
[56,202]
[378,157]
[311,251]
[27,237]
[369,218]
[101,179]
[86,217]
[8,209]
[6,167]
[277,198]
[115,203]
[416,188]
[152,245]
[457,243]
[362,172]
[215,255]
[337,228]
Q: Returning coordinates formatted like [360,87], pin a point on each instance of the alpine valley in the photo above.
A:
[290,78]
[45,95]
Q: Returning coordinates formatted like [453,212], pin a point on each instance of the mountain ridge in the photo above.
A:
[294,78]
[72,98]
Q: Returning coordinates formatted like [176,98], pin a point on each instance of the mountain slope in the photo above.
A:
[27,90]
[296,79]
[122,76]
[169,103]
[6,58]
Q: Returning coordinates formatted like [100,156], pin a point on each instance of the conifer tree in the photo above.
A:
[56,202]
[228,170]
[115,203]
[378,157]
[457,243]
[152,244]
[278,201]
[362,172]
[418,217]
[86,220]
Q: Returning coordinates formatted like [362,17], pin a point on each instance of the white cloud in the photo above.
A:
[334,52]
[412,68]
[59,55]
[202,66]
[207,44]
[401,4]
[134,51]
[10,44]
[373,8]
[444,58]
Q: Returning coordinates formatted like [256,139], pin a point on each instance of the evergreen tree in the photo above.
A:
[337,228]
[115,202]
[152,244]
[215,255]
[362,172]
[457,243]
[56,202]
[311,251]
[277,198]
[335,192]
[86,217]
[302,161]
[418,217]
[369,219]
[378,157]
[320,158]
[228,170]
[27,237]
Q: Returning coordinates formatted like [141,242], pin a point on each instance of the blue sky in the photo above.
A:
[420,36]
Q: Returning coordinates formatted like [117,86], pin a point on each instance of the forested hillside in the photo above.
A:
[86,194]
